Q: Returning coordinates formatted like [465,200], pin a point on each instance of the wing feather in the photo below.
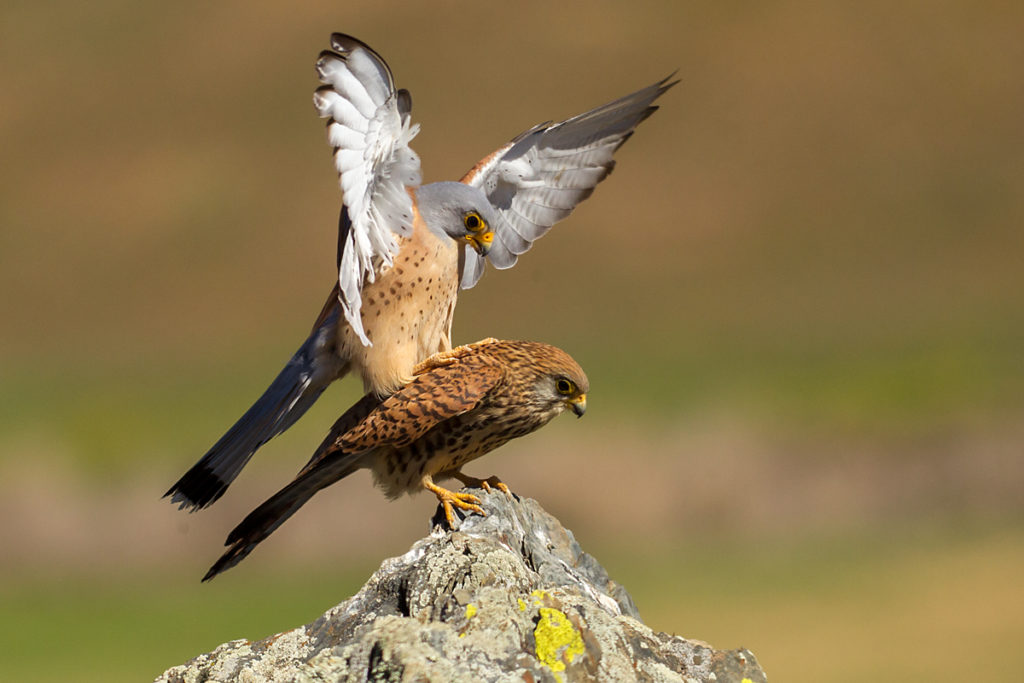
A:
[539,177]
[343,136]
[423,403]
[370,130]
[514,241]
[555,198]
[539,215]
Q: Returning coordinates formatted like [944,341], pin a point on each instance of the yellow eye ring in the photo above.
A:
[473,221]
[564,386]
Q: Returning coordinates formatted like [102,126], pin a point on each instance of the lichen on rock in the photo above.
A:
[506,597]
[558,641]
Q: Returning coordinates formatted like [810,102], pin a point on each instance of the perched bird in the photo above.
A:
[404,250]
[461,405]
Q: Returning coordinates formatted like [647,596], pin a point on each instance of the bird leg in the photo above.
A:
[463,501]
[443,358]
[485,484]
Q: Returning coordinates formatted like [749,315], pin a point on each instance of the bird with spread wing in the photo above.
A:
[405,249]
[461,405]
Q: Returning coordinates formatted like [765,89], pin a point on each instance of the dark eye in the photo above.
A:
[473,221]
[563,386]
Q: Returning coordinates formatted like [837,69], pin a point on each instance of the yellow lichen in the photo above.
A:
[470,611]
[556,639]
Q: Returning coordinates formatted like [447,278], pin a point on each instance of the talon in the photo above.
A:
[443,358]
[438,360]
[485,484]
[449,499]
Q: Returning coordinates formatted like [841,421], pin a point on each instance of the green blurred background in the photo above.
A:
[799,298]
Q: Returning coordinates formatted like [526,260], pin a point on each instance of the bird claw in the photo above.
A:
[485,484]
[498,484]
[463,501]
[443,358]
[450,499]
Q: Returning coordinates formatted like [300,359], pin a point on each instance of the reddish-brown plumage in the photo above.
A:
[461,405]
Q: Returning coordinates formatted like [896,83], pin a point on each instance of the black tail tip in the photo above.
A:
[200,487]
[235,554]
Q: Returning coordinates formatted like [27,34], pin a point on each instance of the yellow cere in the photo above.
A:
[555,633]
[470,611]
[522,605]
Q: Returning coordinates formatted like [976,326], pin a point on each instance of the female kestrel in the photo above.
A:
[404,250]
[461,405]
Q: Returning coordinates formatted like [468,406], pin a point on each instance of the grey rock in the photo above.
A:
[507,597]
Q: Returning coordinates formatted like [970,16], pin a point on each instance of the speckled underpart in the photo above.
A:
[401,312]
[447,447]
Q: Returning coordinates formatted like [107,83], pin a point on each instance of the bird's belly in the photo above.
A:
[407,313]
[448,447]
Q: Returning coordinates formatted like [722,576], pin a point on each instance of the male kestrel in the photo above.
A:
[463,404]
[404,250]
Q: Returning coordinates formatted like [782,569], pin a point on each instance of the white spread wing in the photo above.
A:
[538,178]
[369,128]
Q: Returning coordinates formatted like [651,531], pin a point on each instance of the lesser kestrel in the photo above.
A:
[404,250]
[462,405]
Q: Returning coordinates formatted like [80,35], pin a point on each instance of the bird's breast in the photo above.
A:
[407,310]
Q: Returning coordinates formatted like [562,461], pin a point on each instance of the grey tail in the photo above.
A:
[265,519]
[313,367]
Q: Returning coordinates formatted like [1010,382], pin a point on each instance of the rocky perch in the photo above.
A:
[507,597]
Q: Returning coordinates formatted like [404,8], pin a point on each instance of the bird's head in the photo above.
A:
[459,211]
[560,382]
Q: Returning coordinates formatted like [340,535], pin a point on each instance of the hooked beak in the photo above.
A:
[578,404]
[480,241]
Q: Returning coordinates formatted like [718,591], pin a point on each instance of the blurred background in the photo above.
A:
[799,299]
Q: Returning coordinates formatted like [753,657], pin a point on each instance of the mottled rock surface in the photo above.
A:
[507,597]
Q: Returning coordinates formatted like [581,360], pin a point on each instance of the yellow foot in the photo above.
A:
[485,484]
[443,358]
[463,501]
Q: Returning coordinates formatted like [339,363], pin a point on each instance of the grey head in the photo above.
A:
[460,212]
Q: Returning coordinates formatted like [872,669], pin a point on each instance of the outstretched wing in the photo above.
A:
[538,178]
[369,128]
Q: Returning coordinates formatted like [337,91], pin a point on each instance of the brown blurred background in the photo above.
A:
[799,298]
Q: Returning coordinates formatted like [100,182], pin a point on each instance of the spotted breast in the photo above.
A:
[400,310]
